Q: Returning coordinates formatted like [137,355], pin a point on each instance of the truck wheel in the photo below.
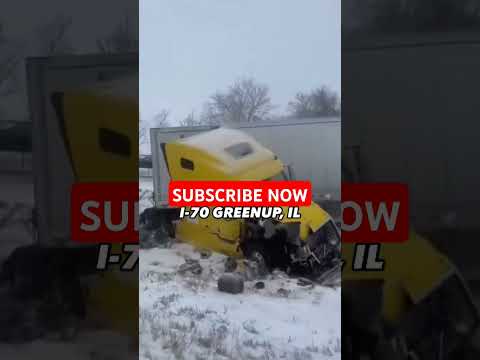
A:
[154,219]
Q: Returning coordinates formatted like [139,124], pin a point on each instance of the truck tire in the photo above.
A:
[231,283]
[162,219]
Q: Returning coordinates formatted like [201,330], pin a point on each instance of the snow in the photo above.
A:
[184,315]
[94,345]
[145,194]
[16,202]
[254,324]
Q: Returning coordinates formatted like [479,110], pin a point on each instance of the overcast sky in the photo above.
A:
[22,19]
[190,48]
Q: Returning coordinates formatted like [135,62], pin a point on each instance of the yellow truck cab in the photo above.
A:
[419,302]
[104,149]
[230,154]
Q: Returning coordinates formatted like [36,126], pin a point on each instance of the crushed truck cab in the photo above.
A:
[230,154]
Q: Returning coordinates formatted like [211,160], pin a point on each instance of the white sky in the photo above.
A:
[190,48]
[22,21]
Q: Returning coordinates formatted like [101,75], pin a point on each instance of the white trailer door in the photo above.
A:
[53,176]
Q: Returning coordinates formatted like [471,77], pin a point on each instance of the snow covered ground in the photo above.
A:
[184,316]
[16,202]
[145,194]
[93,345]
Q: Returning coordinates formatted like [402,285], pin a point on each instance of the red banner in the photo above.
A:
[108,212]
[375,213]
[240,193]
[104,212]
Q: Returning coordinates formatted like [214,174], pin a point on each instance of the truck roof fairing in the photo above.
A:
[222,153]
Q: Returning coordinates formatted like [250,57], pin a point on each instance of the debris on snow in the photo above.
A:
[230,264]
[259,285]
[305,282]
[186,316]
[190,265]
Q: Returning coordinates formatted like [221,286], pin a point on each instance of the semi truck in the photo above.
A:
[309,148]
[79,107]
[309,245]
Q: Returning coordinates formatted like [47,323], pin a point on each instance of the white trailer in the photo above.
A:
[311,147]
[52,170]
[430,143]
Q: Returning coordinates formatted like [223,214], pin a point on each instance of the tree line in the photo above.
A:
[247,101]
[410,15]
[53,38]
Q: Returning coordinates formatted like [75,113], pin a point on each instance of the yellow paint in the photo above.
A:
[312,218]
[115,295]
[85,115]
[413,270]
[217,235]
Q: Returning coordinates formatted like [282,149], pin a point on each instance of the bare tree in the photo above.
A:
[317,103]
[205,118]
[191,120]
[244,101]
[142,132]
[53,37]
[123,38]
[410,15]
[159,120]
